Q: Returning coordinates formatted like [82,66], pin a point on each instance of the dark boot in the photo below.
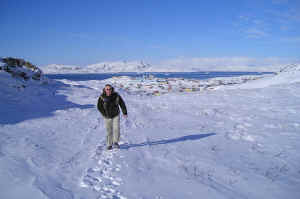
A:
[109,148]
[117,145]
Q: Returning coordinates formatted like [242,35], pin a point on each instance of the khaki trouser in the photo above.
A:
[113,130]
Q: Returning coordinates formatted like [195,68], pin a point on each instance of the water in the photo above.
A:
[186,75]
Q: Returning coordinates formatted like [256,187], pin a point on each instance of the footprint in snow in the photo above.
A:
[102,178]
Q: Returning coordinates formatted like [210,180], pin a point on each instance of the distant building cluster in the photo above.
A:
[150,85]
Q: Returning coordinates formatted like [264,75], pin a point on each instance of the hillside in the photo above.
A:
[235,143]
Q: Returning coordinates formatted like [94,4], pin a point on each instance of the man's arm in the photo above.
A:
[122,105]
[100,106]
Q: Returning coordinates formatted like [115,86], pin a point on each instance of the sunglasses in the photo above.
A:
[108,89]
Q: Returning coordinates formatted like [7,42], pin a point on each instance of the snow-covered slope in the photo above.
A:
[288,75]
[217,144]
[20,68]
[17,74]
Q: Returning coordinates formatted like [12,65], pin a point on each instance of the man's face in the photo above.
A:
[108,90]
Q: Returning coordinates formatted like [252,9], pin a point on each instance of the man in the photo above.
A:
[108,105]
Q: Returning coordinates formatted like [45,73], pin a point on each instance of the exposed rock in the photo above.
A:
[20,68]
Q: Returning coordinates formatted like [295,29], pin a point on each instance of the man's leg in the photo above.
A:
[116,129]
[109,130]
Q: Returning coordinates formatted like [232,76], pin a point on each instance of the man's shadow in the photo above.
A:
[168,141]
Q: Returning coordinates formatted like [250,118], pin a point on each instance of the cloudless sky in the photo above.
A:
[86,32]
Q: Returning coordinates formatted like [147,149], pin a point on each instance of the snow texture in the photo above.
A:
[235,141]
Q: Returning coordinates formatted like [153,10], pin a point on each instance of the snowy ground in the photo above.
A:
[238,141]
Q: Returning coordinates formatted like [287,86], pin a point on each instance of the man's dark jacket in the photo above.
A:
[109,105]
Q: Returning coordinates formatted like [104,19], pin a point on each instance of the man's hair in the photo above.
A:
[112,88]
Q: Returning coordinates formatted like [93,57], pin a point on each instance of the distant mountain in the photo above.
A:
[119,66]
[103,67]
[171,66]
[58,68]
[115,67]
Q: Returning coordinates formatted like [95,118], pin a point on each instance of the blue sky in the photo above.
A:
[91,31]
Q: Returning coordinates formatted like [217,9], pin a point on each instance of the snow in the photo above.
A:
[103,67]
[59,68]
[238,140]
[287,76]
[194,65]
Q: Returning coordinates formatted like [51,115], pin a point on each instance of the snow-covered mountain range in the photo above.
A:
[103,67]
[172,66]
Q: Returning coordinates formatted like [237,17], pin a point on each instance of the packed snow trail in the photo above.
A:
[238,143]
[102,178]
